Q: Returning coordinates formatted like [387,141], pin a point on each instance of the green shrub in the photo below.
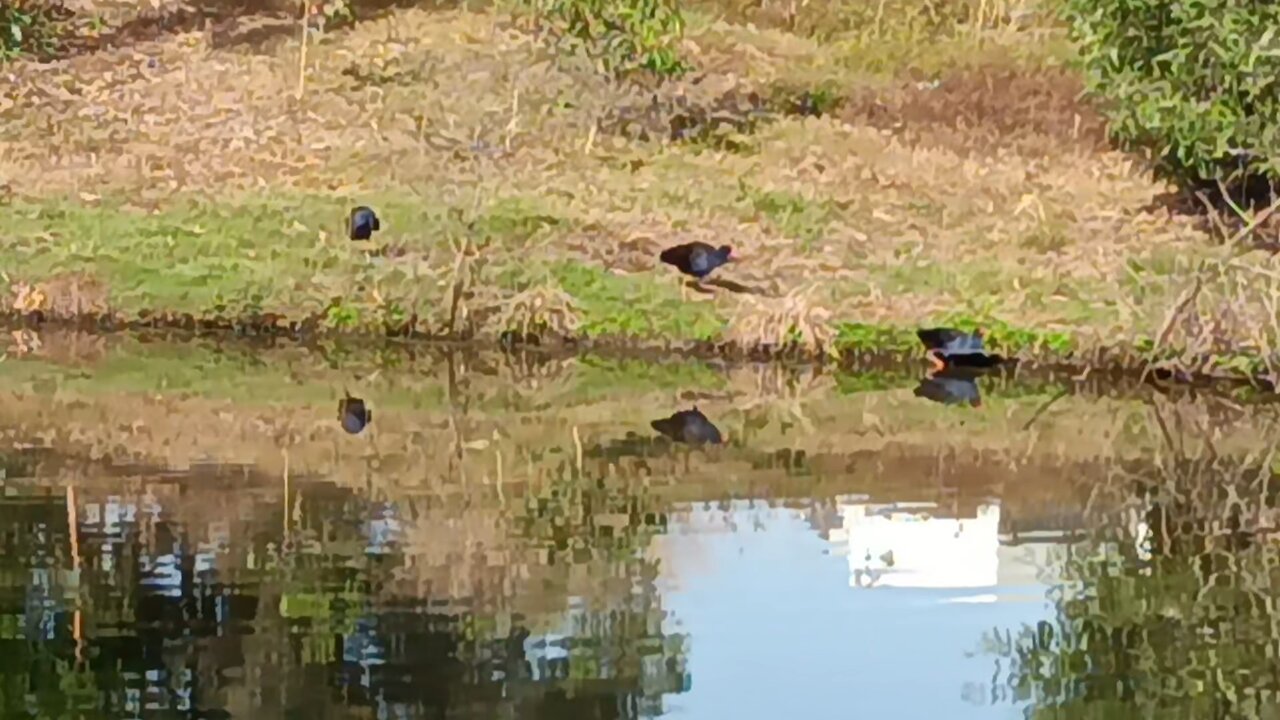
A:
[29,27]
[622,35]
[1194,82]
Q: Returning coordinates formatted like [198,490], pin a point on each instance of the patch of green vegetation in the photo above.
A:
[1000,336]
[287,254]
[1241,364]
[623,36]
[30,27]
[342,317]
[853,336]
[1193,83]
[794,215]
[634,306]
[516,218]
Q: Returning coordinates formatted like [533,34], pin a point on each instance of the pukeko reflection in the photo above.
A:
[947,347]
[353,414]
[697,259]
[688,426]
[364,222]
[952,386]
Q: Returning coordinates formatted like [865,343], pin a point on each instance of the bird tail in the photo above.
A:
[933,338]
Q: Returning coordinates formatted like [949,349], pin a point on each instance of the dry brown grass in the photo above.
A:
[793,321]
[65,296]
[986,110]
[544,309]
[989,194]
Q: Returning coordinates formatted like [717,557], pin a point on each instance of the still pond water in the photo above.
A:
[193,530]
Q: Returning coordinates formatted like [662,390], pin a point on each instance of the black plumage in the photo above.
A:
[696,258]
[948,347]
[689,426]
[364,223]
[353,415]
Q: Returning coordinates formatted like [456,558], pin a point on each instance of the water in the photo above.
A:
[192,530]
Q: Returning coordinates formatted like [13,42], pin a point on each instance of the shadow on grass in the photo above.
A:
[731,286]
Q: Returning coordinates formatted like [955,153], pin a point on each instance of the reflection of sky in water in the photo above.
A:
[777,630]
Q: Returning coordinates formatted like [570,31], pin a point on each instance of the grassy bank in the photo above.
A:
[939,172]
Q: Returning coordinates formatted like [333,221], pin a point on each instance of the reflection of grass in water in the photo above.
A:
[137,368]
[603,395]
[242,376]
[849,383]
[298,376]
[598,376]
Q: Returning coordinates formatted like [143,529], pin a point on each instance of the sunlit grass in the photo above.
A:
[946,178]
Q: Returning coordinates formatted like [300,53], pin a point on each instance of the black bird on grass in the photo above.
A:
[353,414]
[688,426]
[947,347]
[363,223]
[696,258]
[952,386]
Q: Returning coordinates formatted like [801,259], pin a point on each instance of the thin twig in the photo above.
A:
[1188,296]
[1214,215]
[302,53]
[1254,223]
[1045,407]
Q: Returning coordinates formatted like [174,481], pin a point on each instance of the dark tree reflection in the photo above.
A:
[160,601]
[1169,609]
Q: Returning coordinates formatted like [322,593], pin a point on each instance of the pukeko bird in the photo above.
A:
[353,414]
[688,426]
[696,258]
[364,222]
[952,386]
[947,347]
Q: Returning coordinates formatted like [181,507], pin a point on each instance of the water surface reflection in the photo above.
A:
[517,540]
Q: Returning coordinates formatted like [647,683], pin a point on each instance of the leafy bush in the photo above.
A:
[1194,82]
[623,35]
[29,27]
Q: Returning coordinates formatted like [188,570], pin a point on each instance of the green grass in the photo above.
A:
[630,306]
[793,215]
[893,223]
[288,255]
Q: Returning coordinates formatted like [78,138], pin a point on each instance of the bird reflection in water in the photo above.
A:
[353,415]
[952,386]
[689,426]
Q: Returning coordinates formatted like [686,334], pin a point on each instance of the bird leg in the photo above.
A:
[937,362]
